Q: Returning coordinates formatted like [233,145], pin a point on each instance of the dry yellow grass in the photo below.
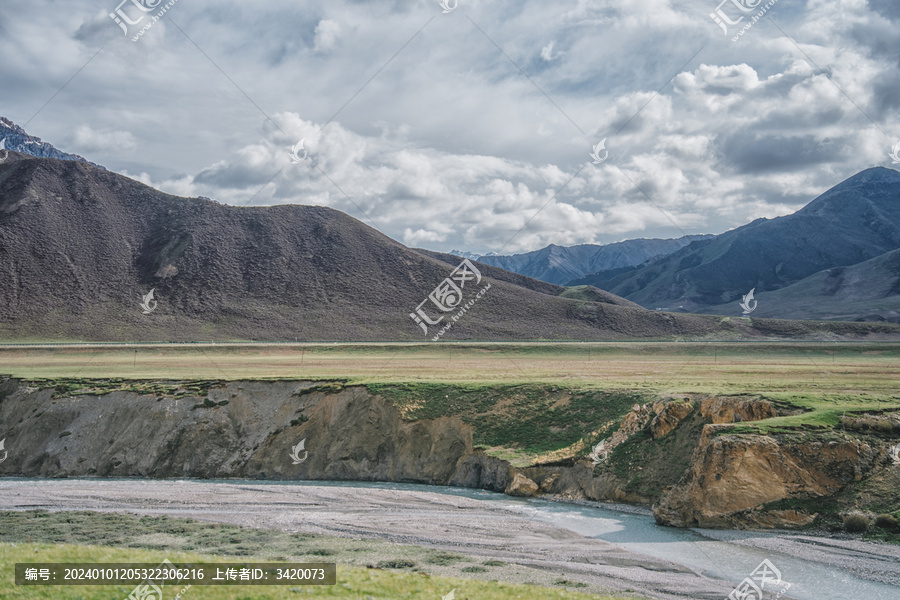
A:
[660,367]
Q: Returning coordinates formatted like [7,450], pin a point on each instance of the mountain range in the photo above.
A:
[866,291]
[854,222]
[81,249]
[833,259]
[562,264]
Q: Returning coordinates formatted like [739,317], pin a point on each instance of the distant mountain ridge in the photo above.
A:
[471,255]
[562,264]
[17,139]
[855,221]
[80,246]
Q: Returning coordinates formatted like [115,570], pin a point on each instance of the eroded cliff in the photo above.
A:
[241,429]
[688,456]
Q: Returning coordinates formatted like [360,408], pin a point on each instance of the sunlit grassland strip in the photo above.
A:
[660,367]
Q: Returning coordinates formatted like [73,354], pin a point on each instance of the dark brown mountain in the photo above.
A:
[80,247]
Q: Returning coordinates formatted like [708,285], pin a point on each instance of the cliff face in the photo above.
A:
[237,429]
[678,454]
[731,476]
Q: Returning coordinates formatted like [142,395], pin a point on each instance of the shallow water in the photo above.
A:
[689,547]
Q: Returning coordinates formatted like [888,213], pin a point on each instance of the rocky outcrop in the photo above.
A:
[580,482]
[724,409]
[886,423]
[521,486]
[480,471]
[668,416]
[634,421]
[732,476]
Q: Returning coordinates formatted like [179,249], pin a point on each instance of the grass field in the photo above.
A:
[402,571]
[659,367]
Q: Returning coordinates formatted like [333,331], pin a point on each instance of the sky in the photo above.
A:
[469,125]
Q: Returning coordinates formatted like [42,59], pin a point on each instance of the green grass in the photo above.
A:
[647,466]
[532,418]
[821,411]
[445,558]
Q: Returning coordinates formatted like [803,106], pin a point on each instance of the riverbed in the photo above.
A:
[620,549]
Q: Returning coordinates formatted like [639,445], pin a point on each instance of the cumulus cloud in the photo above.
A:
[86,139]
[417,124]
[327,32]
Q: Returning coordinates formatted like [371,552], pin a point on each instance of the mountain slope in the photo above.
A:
[80,247]
[562,264]
[856,220]
[869,291]
[16,139]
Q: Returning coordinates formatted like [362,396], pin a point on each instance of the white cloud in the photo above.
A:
[86,139]
[415,238]
[547,52]
[449,145]
[327,32]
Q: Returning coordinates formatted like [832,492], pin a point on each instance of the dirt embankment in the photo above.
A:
[244,429]
[681,456]
[740,480]
[675,454]
[732,477]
